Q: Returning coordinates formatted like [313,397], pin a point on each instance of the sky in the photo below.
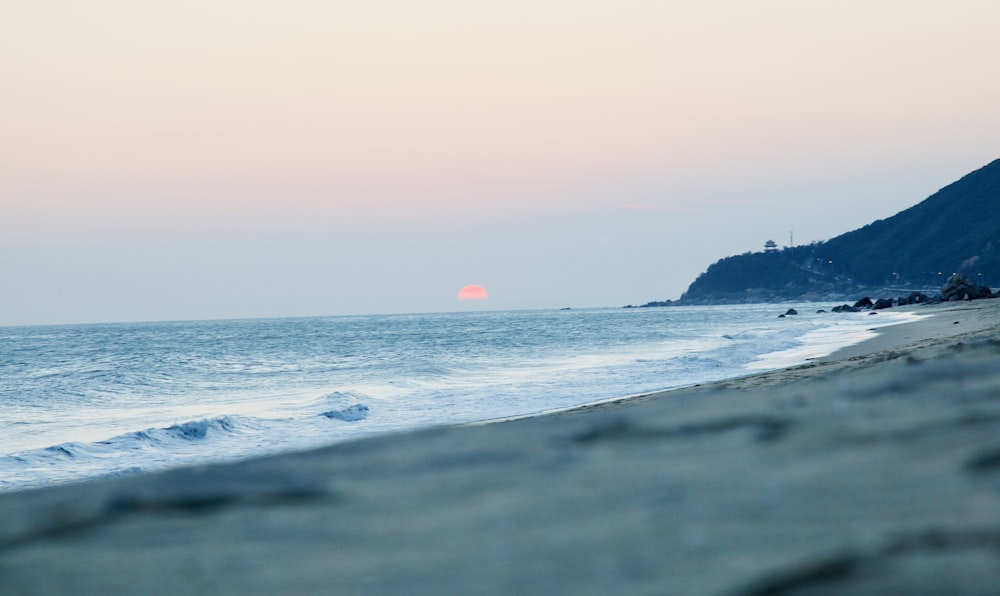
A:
[240,158]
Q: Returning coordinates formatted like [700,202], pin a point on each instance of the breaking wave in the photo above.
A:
[150,449]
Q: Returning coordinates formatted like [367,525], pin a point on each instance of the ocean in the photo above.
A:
[86,401]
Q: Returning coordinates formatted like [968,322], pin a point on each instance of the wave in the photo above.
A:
[190,431]
[349,414]
[195,430]
[763,334]
[342,405]
[742,335]
[160,447]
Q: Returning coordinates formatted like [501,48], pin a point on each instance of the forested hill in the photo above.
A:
[955,230]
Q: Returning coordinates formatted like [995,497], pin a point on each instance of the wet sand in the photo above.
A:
[873,470]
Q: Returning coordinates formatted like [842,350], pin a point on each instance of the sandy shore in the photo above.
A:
[875,470]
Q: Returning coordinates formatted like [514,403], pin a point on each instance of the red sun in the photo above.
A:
[473,293]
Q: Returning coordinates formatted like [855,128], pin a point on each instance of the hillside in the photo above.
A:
[957,229]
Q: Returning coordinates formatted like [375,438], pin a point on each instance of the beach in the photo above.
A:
[875,469]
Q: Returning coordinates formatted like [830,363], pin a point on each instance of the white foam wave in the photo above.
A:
[854,328]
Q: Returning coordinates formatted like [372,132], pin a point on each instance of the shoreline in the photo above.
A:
[67,459]
[664,392]
[873,469]
[886,338]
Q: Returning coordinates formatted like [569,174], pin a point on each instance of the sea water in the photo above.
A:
[83,401]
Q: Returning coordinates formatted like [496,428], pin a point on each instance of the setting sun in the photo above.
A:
[473,293]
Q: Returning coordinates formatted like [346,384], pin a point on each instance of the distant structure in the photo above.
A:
[770,246]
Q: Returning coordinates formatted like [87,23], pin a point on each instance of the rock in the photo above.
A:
[959,288]
[791,311]
[845,308]
[820,311]
[882,303]
[657,303]
[865,302]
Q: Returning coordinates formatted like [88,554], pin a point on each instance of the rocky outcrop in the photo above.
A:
[959,288]
[654,303]
[956,288]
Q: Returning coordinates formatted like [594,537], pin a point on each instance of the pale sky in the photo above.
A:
[242,158]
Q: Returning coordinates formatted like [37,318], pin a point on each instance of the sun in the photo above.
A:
[473,293]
